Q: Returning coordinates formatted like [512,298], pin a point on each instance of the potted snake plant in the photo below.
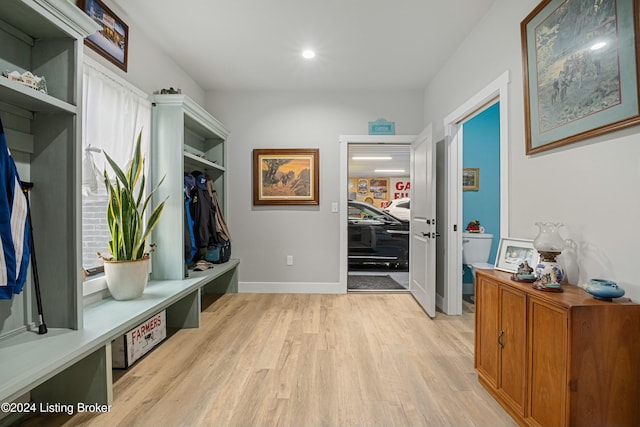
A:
[127,268]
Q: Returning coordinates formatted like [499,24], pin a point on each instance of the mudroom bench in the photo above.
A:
[74,366]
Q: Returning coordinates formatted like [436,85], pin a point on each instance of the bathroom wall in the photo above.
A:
[481,149]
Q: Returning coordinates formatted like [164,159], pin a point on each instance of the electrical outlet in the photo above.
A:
[289,259]
[334,207]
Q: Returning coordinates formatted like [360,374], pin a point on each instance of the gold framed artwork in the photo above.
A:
[286,176]
[471,179]
[580,65]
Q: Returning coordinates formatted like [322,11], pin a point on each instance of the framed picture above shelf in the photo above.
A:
[112,41]
[580,65]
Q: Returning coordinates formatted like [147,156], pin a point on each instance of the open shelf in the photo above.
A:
[196,162]
[24,97]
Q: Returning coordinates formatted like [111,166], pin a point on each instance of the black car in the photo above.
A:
[376,237]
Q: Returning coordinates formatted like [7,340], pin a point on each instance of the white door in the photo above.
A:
[422,245]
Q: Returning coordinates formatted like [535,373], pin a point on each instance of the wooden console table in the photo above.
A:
[557,359]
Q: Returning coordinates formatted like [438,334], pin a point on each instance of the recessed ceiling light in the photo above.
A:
[308,54]
[390,170]
[371,158]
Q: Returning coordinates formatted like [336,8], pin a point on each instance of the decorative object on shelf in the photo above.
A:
[580,71]
[170,91]
[471,179]
[127,269]
[286,176]
[382,127]
[112,41]
[512,253]
[27,79]
[524,273]
[549,244]
[474,226]
[603,289]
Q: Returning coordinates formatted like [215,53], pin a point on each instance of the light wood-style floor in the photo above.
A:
[306,360]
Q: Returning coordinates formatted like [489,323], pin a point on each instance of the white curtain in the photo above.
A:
[114,113]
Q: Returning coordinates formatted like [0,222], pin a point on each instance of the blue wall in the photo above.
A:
[481,149]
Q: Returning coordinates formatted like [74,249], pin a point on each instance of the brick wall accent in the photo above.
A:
[95,233]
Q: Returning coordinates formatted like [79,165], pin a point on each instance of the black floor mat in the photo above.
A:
[372,282]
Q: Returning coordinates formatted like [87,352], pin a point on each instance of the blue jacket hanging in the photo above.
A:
[14,226]
[190,247]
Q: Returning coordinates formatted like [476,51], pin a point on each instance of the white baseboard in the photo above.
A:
[291,288]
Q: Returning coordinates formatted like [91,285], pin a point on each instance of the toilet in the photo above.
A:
[476,248]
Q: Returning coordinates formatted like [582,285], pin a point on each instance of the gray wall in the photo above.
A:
[591,186]
[263,236]
[149,67]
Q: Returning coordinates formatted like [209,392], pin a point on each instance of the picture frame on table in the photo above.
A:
[512,252]
[112,41]
[580,69]
[286,176]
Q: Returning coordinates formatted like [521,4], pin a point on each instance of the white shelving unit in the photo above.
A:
[45,37]
[184,138]
[72,362]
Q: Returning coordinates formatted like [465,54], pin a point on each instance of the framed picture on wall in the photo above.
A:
[471,179]
[112,41]
[512,252]
[286,176]
[580,65]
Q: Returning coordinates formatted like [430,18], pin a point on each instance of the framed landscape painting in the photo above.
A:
[471,179]
[286,176]
[112,41]
[580,65]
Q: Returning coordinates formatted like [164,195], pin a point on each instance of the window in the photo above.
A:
[114,112]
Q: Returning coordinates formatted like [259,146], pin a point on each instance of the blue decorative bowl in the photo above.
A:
[603,289]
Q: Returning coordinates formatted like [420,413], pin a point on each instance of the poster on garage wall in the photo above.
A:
[399,188]
[378,191]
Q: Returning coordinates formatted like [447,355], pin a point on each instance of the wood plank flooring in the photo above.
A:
[305,360]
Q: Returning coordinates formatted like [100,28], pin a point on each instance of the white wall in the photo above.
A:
[262,237]
[149,67]
[592,187]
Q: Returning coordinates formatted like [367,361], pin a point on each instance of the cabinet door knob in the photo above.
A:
[501,339]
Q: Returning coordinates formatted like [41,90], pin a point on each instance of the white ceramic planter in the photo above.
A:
[126,279]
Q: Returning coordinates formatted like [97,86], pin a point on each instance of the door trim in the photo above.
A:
[499,88]
[345,140]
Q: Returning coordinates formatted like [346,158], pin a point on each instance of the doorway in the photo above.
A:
[378,213]
[354,172]
[449,284]
[481,200]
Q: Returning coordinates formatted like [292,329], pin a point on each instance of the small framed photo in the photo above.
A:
[512,252]
[112,41]
[471,179]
